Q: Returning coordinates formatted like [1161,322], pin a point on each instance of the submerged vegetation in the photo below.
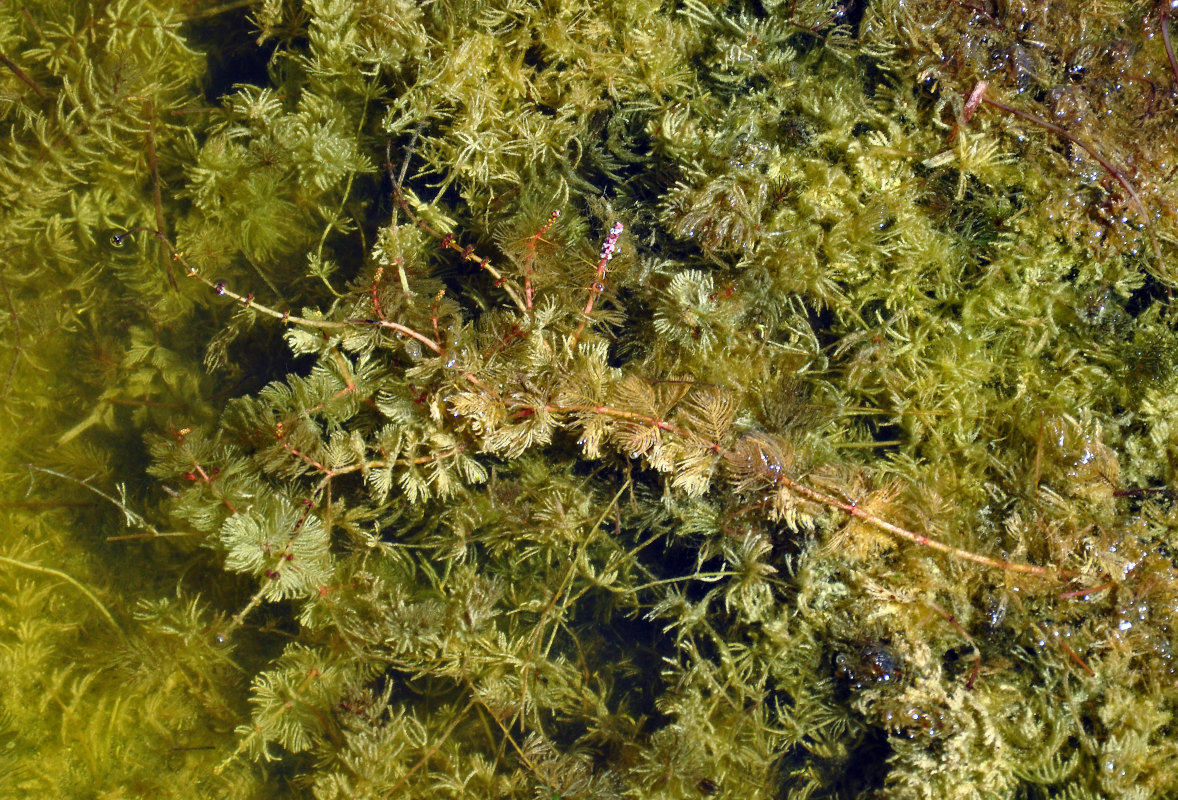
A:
[589,400]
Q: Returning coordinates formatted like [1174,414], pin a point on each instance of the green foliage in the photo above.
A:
[843,468]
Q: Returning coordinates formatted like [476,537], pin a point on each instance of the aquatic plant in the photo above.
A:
[755,400]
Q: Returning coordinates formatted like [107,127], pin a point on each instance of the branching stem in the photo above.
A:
[879,523]
[449,243]
[799,489]
[821,498]
[286,317]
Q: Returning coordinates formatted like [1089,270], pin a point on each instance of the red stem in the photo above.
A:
[1120,176]
[1165,18]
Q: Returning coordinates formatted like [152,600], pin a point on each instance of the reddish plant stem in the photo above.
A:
[1074,657]
[299,454]
[473,380]
[449,243]
[1084,593]
[974,100]
[23,77]
[280,565]
[1109,167]
[618,413]
[433,314]
[794,487]
[156,197]
[917,538]
[598,285]
[376,308]
[286,317]
[1165,20]
[815,496]
[285,556]
[530,258]
[952,620]
[595,288]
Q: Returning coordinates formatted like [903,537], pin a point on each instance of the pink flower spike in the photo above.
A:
[611,243]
